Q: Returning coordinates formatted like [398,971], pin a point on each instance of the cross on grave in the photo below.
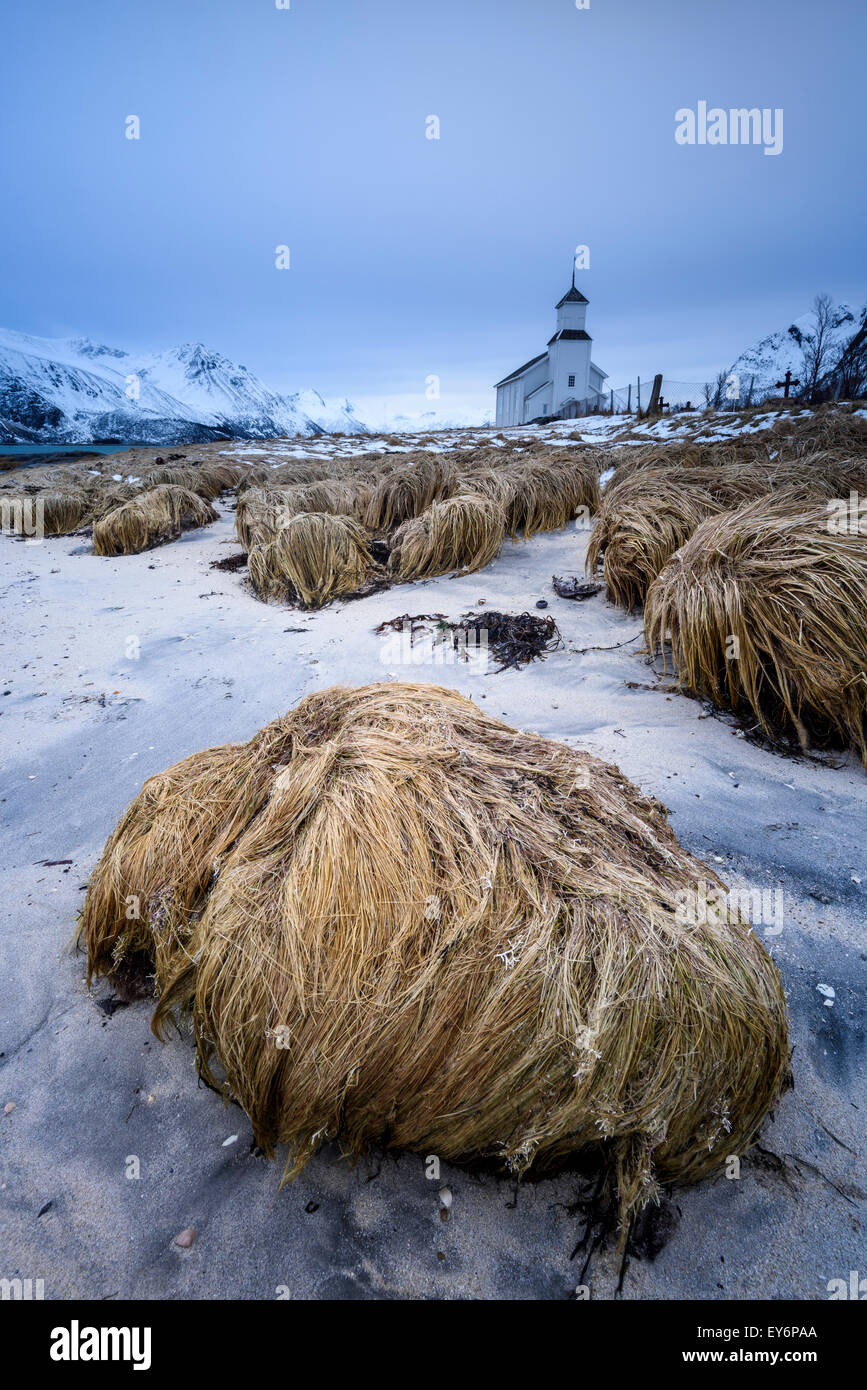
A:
[787,383]
[662,405]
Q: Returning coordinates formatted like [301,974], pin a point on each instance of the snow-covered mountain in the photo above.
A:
[452,413]
[71,390]
[429,420]
[766,362]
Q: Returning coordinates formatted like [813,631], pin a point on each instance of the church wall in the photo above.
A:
[510,400]
[569,357]
[597,380]
[537,376]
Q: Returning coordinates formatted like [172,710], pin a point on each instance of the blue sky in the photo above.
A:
[410,257]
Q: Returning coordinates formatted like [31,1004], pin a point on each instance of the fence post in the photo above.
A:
[638,389]
[629,400]
[655,394]
[611,412]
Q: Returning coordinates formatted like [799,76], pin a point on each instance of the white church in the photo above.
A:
[561,381]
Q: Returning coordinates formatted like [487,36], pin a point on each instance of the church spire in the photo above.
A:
[573,295]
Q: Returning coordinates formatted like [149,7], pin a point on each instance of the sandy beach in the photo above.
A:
[113,669]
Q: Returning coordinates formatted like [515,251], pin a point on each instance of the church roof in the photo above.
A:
[573,296]
[521,370]
[571,333]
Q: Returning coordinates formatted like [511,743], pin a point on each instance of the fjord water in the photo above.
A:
[31,455]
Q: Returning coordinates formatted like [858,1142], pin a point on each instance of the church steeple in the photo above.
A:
[571,312]
[573,296]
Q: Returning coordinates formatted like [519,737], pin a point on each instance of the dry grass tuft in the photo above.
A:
[658,497]
[775,579]
[635,539]
[301,471]
[64,512]
[462,533]
[105,498]
[62,509]
[313,558]
[547,493]
[398,921]
[208,480]
[407,491]
[151,518]
[494,483]
[257,515]
[261,512]
[841,429]
[255,476]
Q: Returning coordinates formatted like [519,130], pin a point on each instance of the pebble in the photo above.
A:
[186,1238]
[827,992]
[8,1107]
[542,603]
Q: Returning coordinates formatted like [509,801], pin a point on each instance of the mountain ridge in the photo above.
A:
[766,361]
[76,391]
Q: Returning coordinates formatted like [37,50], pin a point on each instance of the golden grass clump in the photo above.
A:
[548,492]
[635,541]
[152,518]
[313,558]
[408,491]
[765,608]
[464,533]
[105,498]
[651,508]
[63,512]
[257,515]
[281,475]
[254,476]
[54,478]
[395,920]
[731,474]
[839,428]
[301,471]
[340,497]
[29,511]
[495,483]
[174,475]
[261,512]
[227,475]
[209,480]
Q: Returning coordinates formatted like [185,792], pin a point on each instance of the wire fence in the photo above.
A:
[670,397]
